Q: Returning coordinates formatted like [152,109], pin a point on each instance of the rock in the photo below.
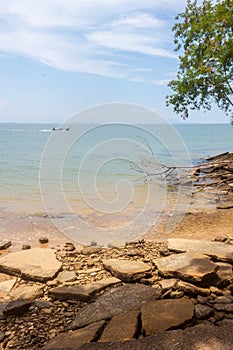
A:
[93,244]
[2,336]
[82,292]
[5,245]
[121,327]
[43,240]
[224,273]
[35,264]
[217,250]
[66,276]
[16,307]
[220,239]
[26,246]
[224,307]
[224,299]
[90,250]
[200,337]
[69,247]
[160,315]
[6,286]
[26,291]
[168,284]
[114,302]
[193,290]
[170,340]
[190,267]
[74,339]
[126,270]
[203,311]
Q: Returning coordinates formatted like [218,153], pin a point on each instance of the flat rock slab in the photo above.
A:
[25,291]
[114,302]
[66,276]
[225,274]
[201,337]
[121,327]
[82,292]
[72,340]
[127,270]
[36,264]
[217,250]
[192,267]
[160,315]
[16,307]
[6,286]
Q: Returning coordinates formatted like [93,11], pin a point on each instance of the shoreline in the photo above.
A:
[201,225]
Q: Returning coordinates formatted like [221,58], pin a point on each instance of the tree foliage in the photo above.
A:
[204,35]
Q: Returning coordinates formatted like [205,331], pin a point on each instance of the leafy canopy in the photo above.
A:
[204,34]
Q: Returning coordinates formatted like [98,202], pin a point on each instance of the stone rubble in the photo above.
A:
[137,296]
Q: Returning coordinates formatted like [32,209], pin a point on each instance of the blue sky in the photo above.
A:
[58,57]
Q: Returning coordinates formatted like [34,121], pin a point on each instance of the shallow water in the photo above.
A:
[93,178]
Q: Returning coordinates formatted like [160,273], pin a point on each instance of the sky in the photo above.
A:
[59,57]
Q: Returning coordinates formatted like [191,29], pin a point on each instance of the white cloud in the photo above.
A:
[100,37]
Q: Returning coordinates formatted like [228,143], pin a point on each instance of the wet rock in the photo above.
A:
[35,264]
[69,247]
[161,315]
[126,270]
[26,291]
[5,245]
[43,240]
[217,250]
[203,311]
[191,267]
[82,292]
[121,327]
[26,246]
[16,307]
[74,339]
[90,250]
[114,302]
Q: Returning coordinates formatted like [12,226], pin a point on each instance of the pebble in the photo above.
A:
[43,240]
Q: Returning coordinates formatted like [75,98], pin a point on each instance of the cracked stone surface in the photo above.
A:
[114,302]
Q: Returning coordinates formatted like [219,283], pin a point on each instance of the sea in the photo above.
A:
[109,180]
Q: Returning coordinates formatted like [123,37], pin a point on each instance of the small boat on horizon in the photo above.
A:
[61,129]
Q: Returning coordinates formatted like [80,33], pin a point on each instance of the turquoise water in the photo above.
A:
[93,163]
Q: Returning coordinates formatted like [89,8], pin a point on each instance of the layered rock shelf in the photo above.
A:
[144,295]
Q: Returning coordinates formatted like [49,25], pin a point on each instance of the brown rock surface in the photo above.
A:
[160,315]
[36,264]
[191,267]
[26,291]
[126,270]
[114,302]
[218,250]
[82,292]
[121,327]
[73,339]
